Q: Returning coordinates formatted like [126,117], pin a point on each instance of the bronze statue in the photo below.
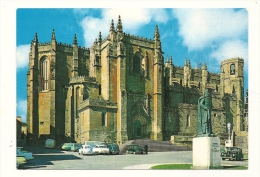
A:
[204,115]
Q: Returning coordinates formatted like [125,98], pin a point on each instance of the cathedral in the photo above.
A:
[122,88]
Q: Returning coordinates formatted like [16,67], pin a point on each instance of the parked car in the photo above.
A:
[232,153]
[22,153]
[135,149]
[66,146]
[100,149]
[113,148]
[75,147]
[50,143]
[92,143]
[85,150]
[20,160]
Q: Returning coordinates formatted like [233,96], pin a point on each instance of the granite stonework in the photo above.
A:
[206,153]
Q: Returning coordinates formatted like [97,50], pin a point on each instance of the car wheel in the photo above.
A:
[223,158]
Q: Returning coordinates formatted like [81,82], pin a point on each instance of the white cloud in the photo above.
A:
[22,109]
[231,49]
[131,23]
[201,28]
[22,56]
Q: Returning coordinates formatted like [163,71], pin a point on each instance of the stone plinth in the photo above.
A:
[206,153]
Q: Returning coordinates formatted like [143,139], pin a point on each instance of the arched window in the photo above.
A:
[77,101]
[232,69]
[99,89]
[44,66]
[104,121]
[188,121]
[136,65]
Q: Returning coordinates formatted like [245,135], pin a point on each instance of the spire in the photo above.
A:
[204,67]
[185,62]
[119,27]
[167,59]
[99,37]
[75,42]
[35,38]
[112,28]
[156,34]
[157,41]
[53,35]
[171,60]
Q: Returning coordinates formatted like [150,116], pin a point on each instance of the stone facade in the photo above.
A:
[121,88]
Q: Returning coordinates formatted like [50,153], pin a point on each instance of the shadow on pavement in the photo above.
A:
[46,158]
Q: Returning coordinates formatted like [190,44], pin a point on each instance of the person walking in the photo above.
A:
[146,148]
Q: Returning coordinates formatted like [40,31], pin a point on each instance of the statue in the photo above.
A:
[204,115]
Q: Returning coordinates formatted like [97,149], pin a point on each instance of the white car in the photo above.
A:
[20,153]
[100,149]
[85,150]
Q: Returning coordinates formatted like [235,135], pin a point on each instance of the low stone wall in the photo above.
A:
[182,140]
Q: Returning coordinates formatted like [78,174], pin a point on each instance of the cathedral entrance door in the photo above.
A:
[137,129]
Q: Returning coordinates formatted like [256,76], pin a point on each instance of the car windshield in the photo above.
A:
[67,144]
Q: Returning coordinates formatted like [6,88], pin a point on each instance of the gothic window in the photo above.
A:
[77,102]
[188,121]
[232,69]
[99,89]
[44,74]
[104,121]
[136,65]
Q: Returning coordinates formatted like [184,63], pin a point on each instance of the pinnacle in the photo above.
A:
[119,25]
[112,28]
[53,35]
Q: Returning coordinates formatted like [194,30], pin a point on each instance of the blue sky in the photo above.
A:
[200,35]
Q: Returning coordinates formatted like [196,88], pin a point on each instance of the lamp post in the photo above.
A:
[228,143]
[228,126]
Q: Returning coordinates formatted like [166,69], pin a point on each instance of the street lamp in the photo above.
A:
[228,143]
[228,126]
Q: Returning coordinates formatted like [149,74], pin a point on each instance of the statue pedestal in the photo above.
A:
[206,153]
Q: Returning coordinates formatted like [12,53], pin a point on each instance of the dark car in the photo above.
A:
[135,149]
[75,147]
[232,153]
[113,148]
[66,146]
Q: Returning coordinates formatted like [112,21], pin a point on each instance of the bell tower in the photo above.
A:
[232,80]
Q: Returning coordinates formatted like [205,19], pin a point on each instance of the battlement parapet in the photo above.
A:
[44,43]
[230,60]
[138,38]
[77,79]
[84,48]
[99,103]
[187,106]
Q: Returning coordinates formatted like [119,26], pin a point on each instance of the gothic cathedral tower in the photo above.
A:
[232,84]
